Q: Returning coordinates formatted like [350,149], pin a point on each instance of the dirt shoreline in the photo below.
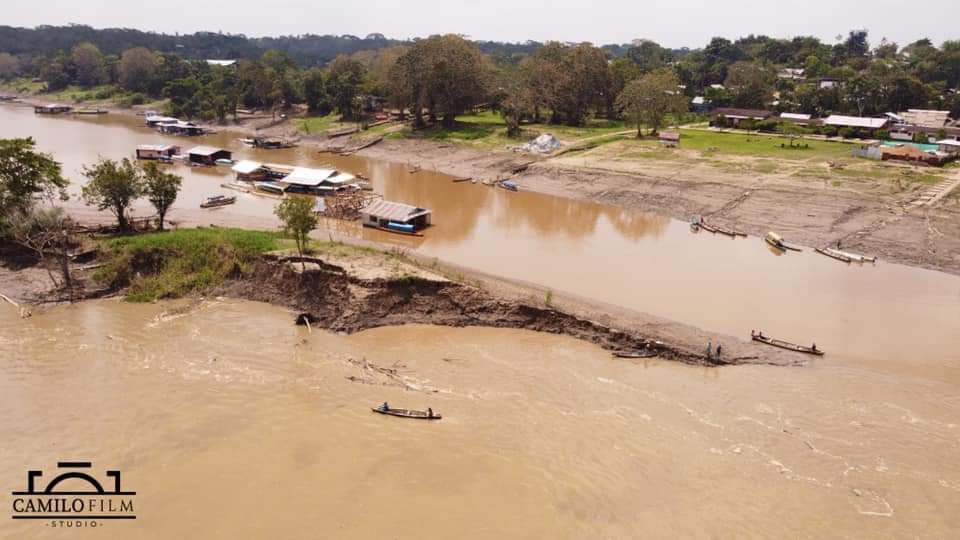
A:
[352,296]
[813,215]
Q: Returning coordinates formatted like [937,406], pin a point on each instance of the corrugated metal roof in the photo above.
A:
[394,211]
[340,178]
[303,176]
[204,150]
[246,167]
[795,116]
[855,121]
[156,147]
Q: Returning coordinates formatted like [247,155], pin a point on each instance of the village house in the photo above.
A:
[732,117]
[792,74]
[868,126]
[829,82]
[207,155]
[181,128]
[798,118]
[152,120]
[949,146]
[157,151]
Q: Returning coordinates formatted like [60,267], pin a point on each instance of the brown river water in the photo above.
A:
[230,422]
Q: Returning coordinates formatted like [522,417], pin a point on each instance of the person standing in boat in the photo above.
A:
[710,348]
[429,412]
[385,406]
[719,350]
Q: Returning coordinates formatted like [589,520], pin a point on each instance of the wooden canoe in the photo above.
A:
[782,245]
[834,255]
[721,230]
[787,345]
[394,231]
[634,354]
[407,413]
[218,200]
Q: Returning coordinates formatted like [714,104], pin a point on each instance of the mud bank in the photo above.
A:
[813,214]
[337,299]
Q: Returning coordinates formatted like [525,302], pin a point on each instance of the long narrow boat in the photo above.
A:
[634,354]
[407,413]
[721,230]
[853,256]
[834,255]
[776,241]
[394,231]
[217,200]
[787,345]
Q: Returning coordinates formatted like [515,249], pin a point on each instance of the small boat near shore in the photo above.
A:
[407,413]
[396,228]
[786,344]
[217,200]
[833,254]
[720,230]
[508,185]
[634,354]
[776,241]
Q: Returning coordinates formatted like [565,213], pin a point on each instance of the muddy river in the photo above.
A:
[542,436]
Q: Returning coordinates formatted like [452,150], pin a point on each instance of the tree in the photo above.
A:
[44,230]
[161,189]
[315,92]
[750,85]
[24,174]
[113,186]
[298,218]
[444,74]
[9,66]
[649,99]
[344,82]
[88,64]
[138,68]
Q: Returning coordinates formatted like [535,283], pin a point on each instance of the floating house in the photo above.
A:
[52,108]
[207,155]
[157,151]
[181,128]
[395,216]
[249,171]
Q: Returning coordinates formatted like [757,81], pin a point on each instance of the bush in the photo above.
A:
[133,99]
[848,133]
[769,125]
[830,131]
[105,93]
[883,134]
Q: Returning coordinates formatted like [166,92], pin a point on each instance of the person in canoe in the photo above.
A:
[814,348]
[385,406]
[429,412]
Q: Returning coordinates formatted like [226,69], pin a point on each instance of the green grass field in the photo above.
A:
[175,263]
[319,124]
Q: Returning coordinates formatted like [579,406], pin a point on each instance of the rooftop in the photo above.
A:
[855,121]
[246,166]
[302,176]
[394,211]
[205,150]
[795,116]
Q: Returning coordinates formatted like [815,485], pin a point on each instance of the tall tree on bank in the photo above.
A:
[113,185]
[25,174]
[138,68]
[344,83]
[444,74]
[299,218]
[648,100]
[88,64]
[161,189]
[750,85]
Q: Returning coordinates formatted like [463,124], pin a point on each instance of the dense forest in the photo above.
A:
[439,77]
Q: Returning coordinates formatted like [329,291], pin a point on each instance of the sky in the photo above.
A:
[672,23]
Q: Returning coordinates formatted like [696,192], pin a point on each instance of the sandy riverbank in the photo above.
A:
[864,218]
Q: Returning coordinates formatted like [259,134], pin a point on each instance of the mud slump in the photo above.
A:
[230,422]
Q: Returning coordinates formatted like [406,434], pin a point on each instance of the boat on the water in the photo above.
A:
[634,354]
[786,344]
[852,256]
[508,185]
[224,161]
[720,230]
[217,200]
[833,254]
[776,241]
[407,413]
[396,228]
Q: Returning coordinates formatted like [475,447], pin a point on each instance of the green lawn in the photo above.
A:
[175,263]
[319,124]
[760,145]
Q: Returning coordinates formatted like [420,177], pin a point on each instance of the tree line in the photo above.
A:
[440,77]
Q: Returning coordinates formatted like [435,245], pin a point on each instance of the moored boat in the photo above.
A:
[833,254]
[217,200]
[634,354]
[508,185]
[776,241]
[721,230]
[407,413]
[786,344]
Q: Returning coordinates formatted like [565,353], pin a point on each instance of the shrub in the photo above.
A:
[883,134]
[133,99]
[830,131]
[105,93]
